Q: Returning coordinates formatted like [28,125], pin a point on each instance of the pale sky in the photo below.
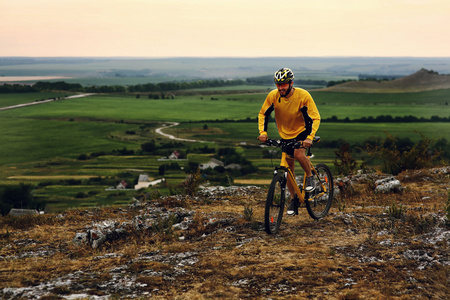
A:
[227,28]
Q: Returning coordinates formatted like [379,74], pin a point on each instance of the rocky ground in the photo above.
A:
[375,244]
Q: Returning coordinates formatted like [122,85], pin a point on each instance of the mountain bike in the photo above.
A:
[317,202]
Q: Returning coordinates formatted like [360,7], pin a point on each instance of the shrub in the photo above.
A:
[344,162]
[248,213]
[83,157]
[97,154]
[420,223]
[397,155]
[148,146]
[81,195]
[192,182]
[395,211]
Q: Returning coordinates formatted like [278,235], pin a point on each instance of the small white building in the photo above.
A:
[122,185]
[211,164]
[17,212]
[144,182]
[233,167]
[175,155]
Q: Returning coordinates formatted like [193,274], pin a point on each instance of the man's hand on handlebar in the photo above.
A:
[307,143]
[263,138]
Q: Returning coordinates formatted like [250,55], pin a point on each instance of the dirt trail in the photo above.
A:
[173,124]
[43,101]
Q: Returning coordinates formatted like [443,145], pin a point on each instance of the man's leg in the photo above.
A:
[293,207]
[291,163]
[300,155]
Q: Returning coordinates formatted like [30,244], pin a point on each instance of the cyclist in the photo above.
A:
[297,119]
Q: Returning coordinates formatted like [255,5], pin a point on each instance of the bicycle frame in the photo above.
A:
[291,178]
[317,202]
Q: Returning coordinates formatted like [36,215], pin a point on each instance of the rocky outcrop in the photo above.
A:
[388,185]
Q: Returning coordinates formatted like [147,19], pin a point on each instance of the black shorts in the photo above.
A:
[301,137]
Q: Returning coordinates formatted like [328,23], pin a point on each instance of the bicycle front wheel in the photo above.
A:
[275,204]
[319,201]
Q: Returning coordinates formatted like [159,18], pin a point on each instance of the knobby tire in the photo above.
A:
[275,204]
[318,202]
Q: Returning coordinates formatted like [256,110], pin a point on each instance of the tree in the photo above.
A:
[162,170]
[148,146]
[20,196]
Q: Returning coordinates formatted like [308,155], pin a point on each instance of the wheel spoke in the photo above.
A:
[274,204]
[322,196]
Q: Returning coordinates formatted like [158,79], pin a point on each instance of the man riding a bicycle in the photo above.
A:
[297,119]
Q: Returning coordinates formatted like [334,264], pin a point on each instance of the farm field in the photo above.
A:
[47,139]
[28,140]
[354,133]
[428,98]
[21,98]
[75,126]
[233,107]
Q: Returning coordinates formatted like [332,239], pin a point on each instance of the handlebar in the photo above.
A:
[280,143]
[294,144]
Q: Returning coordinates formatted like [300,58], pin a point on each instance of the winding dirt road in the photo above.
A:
[43,101]
[173,124]
[158,130]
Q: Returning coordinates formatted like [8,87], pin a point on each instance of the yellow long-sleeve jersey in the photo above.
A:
[292,115]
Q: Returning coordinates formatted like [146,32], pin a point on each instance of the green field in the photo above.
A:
[236,107]
[70,127]
[353,133]
[429,98]
[185,109]
[43,141]
[21,98]
[27,140]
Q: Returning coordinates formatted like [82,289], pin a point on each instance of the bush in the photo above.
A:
[397,155]
[97,154]
[192,182]
[81,195]
[345,163]
[83,157]
[442,146]
[148,146]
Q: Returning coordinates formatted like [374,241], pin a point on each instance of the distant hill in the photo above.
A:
[154,70]
[423,80]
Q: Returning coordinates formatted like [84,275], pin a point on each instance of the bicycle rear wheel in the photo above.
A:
[319,201]
[275,204]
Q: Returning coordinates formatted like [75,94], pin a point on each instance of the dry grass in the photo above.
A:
[51,177]
[357,252]
[252,181]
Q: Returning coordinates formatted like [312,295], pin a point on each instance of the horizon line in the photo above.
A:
[212,57]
